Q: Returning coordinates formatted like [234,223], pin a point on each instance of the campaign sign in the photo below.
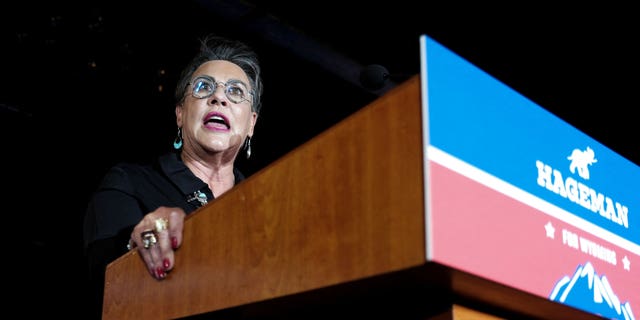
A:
[520,197]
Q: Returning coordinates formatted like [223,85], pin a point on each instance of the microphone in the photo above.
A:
[374,76]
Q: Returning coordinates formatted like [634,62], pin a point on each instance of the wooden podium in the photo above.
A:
[334,229]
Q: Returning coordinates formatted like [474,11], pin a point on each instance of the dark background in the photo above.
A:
[86,85]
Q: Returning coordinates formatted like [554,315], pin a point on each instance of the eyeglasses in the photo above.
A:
[204,87]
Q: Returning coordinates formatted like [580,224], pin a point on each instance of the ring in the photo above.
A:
[161,224]
[148,238]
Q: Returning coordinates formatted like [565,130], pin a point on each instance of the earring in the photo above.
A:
[247,146]
[177,143]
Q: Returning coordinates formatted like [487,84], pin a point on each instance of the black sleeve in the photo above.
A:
[99,254]
[111,216]
[112,212]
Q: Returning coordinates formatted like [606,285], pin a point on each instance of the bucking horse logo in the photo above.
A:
[581,160]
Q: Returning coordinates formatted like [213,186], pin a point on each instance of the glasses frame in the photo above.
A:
[226,85]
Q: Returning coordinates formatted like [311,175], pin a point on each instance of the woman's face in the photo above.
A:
[216,123]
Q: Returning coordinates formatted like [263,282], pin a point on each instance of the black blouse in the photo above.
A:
[126,194]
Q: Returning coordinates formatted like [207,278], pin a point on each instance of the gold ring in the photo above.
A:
[148,238]
[161,224]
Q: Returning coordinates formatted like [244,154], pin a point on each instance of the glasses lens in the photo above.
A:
[235,92]
[203,88]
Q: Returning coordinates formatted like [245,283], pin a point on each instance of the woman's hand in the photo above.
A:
[156,237]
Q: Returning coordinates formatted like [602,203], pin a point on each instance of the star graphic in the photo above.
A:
[626,263]
[550,230]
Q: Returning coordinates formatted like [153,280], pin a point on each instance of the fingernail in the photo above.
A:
[166,264]
[174,242]
[161,273]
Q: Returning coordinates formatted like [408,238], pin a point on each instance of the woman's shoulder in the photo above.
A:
[130,168]
[133,172]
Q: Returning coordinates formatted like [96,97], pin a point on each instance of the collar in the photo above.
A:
[171,164]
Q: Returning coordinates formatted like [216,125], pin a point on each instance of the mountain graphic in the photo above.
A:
[587,291]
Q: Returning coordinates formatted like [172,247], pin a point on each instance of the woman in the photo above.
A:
[143,207]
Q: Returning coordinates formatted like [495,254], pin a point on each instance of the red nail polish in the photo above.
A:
[166,264]
[161,273]
[174,242]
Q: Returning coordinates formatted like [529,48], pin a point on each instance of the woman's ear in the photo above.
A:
[179,115]
[254,119]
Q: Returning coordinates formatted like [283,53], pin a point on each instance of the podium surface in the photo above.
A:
[344,206]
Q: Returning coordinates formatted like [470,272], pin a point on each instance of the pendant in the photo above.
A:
[200,196]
